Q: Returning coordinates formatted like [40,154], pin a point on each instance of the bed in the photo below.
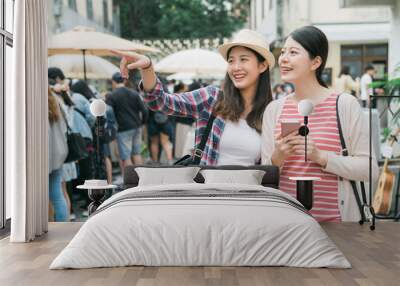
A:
[201,224]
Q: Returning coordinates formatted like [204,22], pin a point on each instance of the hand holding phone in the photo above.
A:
[288,126]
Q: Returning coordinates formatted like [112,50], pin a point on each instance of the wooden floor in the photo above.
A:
[375,257]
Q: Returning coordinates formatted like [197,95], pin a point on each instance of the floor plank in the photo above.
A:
[374,255]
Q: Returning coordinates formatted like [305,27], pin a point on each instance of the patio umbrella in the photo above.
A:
[199,62]
[72,66]
[184,76]
[85,40]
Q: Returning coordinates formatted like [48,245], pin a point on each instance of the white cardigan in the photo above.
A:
[353,167]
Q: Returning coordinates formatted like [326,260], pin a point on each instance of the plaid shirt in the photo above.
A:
[197,104]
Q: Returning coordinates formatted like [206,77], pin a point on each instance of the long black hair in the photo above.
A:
[81,87]
[314,41]
[230,104]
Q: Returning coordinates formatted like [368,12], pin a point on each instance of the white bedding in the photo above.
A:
[183,231]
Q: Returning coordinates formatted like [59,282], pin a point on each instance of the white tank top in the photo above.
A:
[239,144]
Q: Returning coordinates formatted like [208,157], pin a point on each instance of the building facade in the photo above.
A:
[357,35]
[394,36]
[63,15]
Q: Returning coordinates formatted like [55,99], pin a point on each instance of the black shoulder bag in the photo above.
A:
[76,143]
[195,158]
[366,211]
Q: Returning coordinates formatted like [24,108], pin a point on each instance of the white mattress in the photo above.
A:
[189,231]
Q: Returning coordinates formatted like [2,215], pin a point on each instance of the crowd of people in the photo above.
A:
[245,114]
[129,128]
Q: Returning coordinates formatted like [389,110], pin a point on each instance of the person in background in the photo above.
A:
[235,136]
[111,129]
[60,86]
[160,130]
[58,151]
[366,80]
[301,62]
[82,88]
[184,128]
[171,85]
[130,114]
[180,87]
[345,83]
[83,123]
[82,95]
[288,88]
[75,108]
[278,91]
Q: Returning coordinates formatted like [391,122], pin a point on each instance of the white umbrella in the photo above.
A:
[72,66]
[197,61]
[96,43]
[84,40]
[185,76]
[182,76]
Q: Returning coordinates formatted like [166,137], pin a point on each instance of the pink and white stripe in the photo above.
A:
[324,132]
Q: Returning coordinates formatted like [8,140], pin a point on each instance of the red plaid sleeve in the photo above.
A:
[187,104]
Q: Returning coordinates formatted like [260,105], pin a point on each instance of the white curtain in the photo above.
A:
[26,123]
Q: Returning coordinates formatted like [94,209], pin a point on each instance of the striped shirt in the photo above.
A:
[325,134]
[197,104]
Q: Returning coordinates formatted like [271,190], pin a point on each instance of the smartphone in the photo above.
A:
[288,126]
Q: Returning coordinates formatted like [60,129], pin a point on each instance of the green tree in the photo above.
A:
[182,19]
[139,18]
[147,19]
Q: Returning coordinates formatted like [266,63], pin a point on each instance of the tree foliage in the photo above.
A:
[149,19]
[138,18]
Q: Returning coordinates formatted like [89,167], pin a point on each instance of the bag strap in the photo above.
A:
[64,116]
[198,152]
[80,112]
[345,152]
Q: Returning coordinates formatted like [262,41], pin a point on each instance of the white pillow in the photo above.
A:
[166,176]
[248,177]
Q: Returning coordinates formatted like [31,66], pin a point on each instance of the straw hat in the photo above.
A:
[252,40]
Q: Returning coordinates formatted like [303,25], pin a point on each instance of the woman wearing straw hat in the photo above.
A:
[235,137]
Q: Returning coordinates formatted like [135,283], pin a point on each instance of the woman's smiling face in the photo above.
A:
[244,67]
[295,62]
